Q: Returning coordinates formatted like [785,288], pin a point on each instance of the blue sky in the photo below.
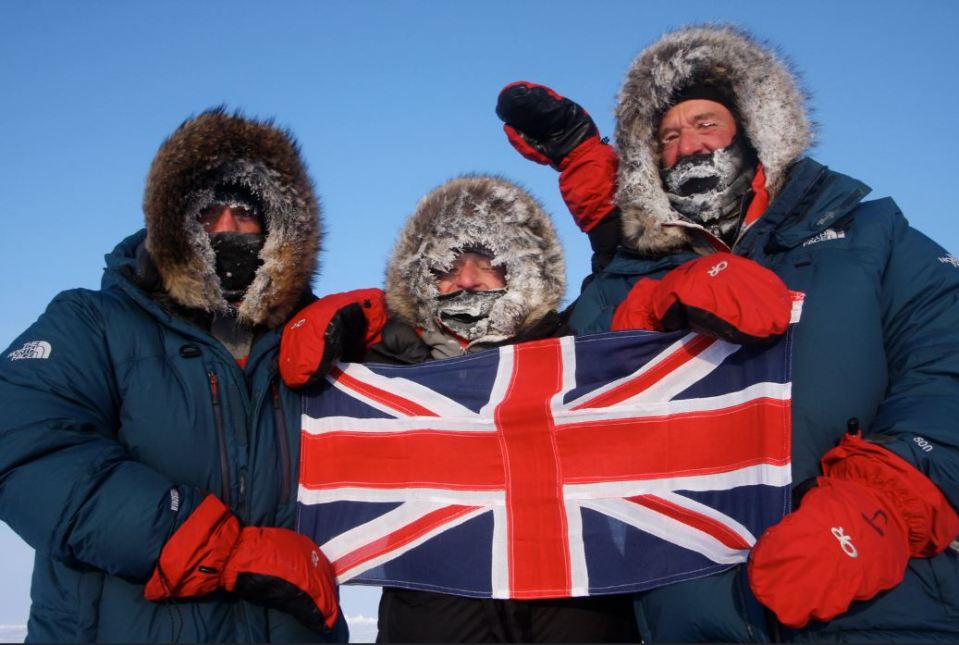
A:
[390,99]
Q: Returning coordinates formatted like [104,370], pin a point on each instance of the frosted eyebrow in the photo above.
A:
[712,115]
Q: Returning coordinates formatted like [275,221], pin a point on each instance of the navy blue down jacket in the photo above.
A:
[118,418]
[878,340]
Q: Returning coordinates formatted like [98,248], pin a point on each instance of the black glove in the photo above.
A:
[550,129]
[542,125]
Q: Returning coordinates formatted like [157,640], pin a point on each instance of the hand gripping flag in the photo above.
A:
[563,467]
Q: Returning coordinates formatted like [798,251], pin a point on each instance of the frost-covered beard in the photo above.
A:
[708,189]
[466,313]
[237,259]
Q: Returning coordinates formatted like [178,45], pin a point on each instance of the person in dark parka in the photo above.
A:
[148,451]
[711,135]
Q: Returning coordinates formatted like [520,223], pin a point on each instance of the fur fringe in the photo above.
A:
[486,211]
[769,100]
[216,149]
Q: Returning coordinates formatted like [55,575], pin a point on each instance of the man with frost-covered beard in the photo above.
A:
[721,212]
[147,447]
[476,266]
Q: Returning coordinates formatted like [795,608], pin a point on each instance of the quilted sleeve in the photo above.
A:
[919,417]
[67,486]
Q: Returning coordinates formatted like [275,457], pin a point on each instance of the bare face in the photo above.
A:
[221,218]
[697,126]
[471,271]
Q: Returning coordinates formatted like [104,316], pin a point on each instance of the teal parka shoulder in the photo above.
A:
[119,417]
[879,341]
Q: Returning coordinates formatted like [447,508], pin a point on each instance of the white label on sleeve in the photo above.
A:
[31,349]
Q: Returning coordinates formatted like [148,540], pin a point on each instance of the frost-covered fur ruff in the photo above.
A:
[770,104]
[216,149]
[478,211]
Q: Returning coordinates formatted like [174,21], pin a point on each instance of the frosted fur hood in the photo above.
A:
[770,104]
[478,211]
[217,150]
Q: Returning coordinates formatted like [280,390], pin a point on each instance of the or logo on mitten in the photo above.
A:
[716,268]
[845,542]
[877,508]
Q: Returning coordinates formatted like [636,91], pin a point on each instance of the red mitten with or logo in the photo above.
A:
[852,536]
[340,326]
[721,294]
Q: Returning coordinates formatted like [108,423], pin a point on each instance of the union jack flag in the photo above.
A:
[562,467]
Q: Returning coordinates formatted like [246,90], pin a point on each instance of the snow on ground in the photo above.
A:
[362,628]
[16,633]
[360,605]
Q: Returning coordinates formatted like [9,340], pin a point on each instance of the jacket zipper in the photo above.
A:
[221,436]
[279,421]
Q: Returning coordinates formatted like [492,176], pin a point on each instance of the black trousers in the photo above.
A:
[408,616]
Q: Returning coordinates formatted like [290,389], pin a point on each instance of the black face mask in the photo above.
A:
[237,259]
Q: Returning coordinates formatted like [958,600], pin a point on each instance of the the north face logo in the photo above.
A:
[31,349]
[828,234]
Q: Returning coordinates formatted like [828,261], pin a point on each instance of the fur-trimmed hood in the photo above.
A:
[770,106]
[216,150]
[478,211]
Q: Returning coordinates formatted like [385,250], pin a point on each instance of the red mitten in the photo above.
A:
[273,567]
[852,535]
[721,294]
[636,311]
[340,326]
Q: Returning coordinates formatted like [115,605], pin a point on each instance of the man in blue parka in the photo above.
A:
[721,213]
[148,450]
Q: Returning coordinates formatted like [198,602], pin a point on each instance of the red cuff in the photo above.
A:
[588,182]
[207,537]
[522,146]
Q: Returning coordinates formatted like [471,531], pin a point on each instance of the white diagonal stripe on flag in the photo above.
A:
[424,396]
[383,526]
[668,529]
[651,409]
[695,370]
[664,355]
[709,511]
